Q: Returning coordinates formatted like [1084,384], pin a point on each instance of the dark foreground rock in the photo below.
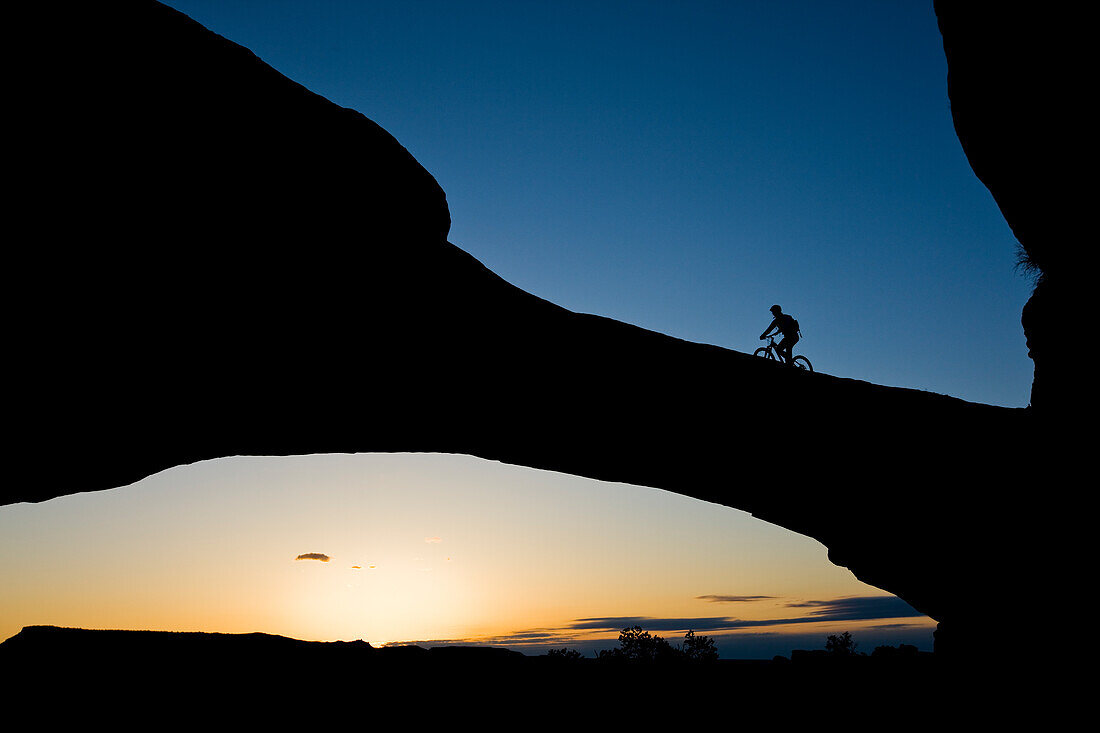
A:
[143,670]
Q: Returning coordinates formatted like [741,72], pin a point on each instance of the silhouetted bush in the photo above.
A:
[1027,266]
[699,648]
[564,654]
[640,646]
[842,645]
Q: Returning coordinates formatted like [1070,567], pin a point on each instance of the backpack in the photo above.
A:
[792,322]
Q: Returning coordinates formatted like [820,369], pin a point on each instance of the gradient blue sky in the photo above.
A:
[683,166]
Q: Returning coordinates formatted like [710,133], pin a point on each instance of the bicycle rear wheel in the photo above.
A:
[803,363]
[765,352]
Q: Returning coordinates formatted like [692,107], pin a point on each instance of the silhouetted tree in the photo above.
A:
[640,646]
[699,648]
[842,645]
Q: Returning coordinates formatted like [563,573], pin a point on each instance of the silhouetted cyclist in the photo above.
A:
[787,326]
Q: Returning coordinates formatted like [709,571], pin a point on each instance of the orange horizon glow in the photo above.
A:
[406,548]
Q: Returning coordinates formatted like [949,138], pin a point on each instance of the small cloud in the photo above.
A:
[432,540]
[356,567]
[371,567]
[314,556]
[733,599]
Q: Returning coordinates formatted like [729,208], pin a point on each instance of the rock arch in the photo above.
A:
[219,262]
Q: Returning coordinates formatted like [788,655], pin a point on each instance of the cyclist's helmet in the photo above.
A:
[775,309]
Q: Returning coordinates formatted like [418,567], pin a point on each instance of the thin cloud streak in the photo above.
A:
[858,608]
[320,556]
[854,608]
[617,623]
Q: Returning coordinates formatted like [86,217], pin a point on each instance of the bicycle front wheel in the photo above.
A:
[765,352]
[803,363]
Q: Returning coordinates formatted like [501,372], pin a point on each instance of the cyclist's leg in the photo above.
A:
[790,348]
[784,349]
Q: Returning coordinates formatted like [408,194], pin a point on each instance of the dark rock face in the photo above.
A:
[1017,80]
[218,262]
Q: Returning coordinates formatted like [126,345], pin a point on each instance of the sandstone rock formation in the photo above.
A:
[1017,81]
[219,262]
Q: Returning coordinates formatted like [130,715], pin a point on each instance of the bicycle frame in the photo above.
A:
[771,351]
[774,352]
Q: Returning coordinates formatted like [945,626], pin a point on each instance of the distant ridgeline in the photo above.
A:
[124,660]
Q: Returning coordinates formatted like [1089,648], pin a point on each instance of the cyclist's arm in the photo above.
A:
[768,329]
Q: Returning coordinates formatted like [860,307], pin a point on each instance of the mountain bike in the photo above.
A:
[771,351]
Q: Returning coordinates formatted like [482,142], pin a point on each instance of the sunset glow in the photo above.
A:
[422,548]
